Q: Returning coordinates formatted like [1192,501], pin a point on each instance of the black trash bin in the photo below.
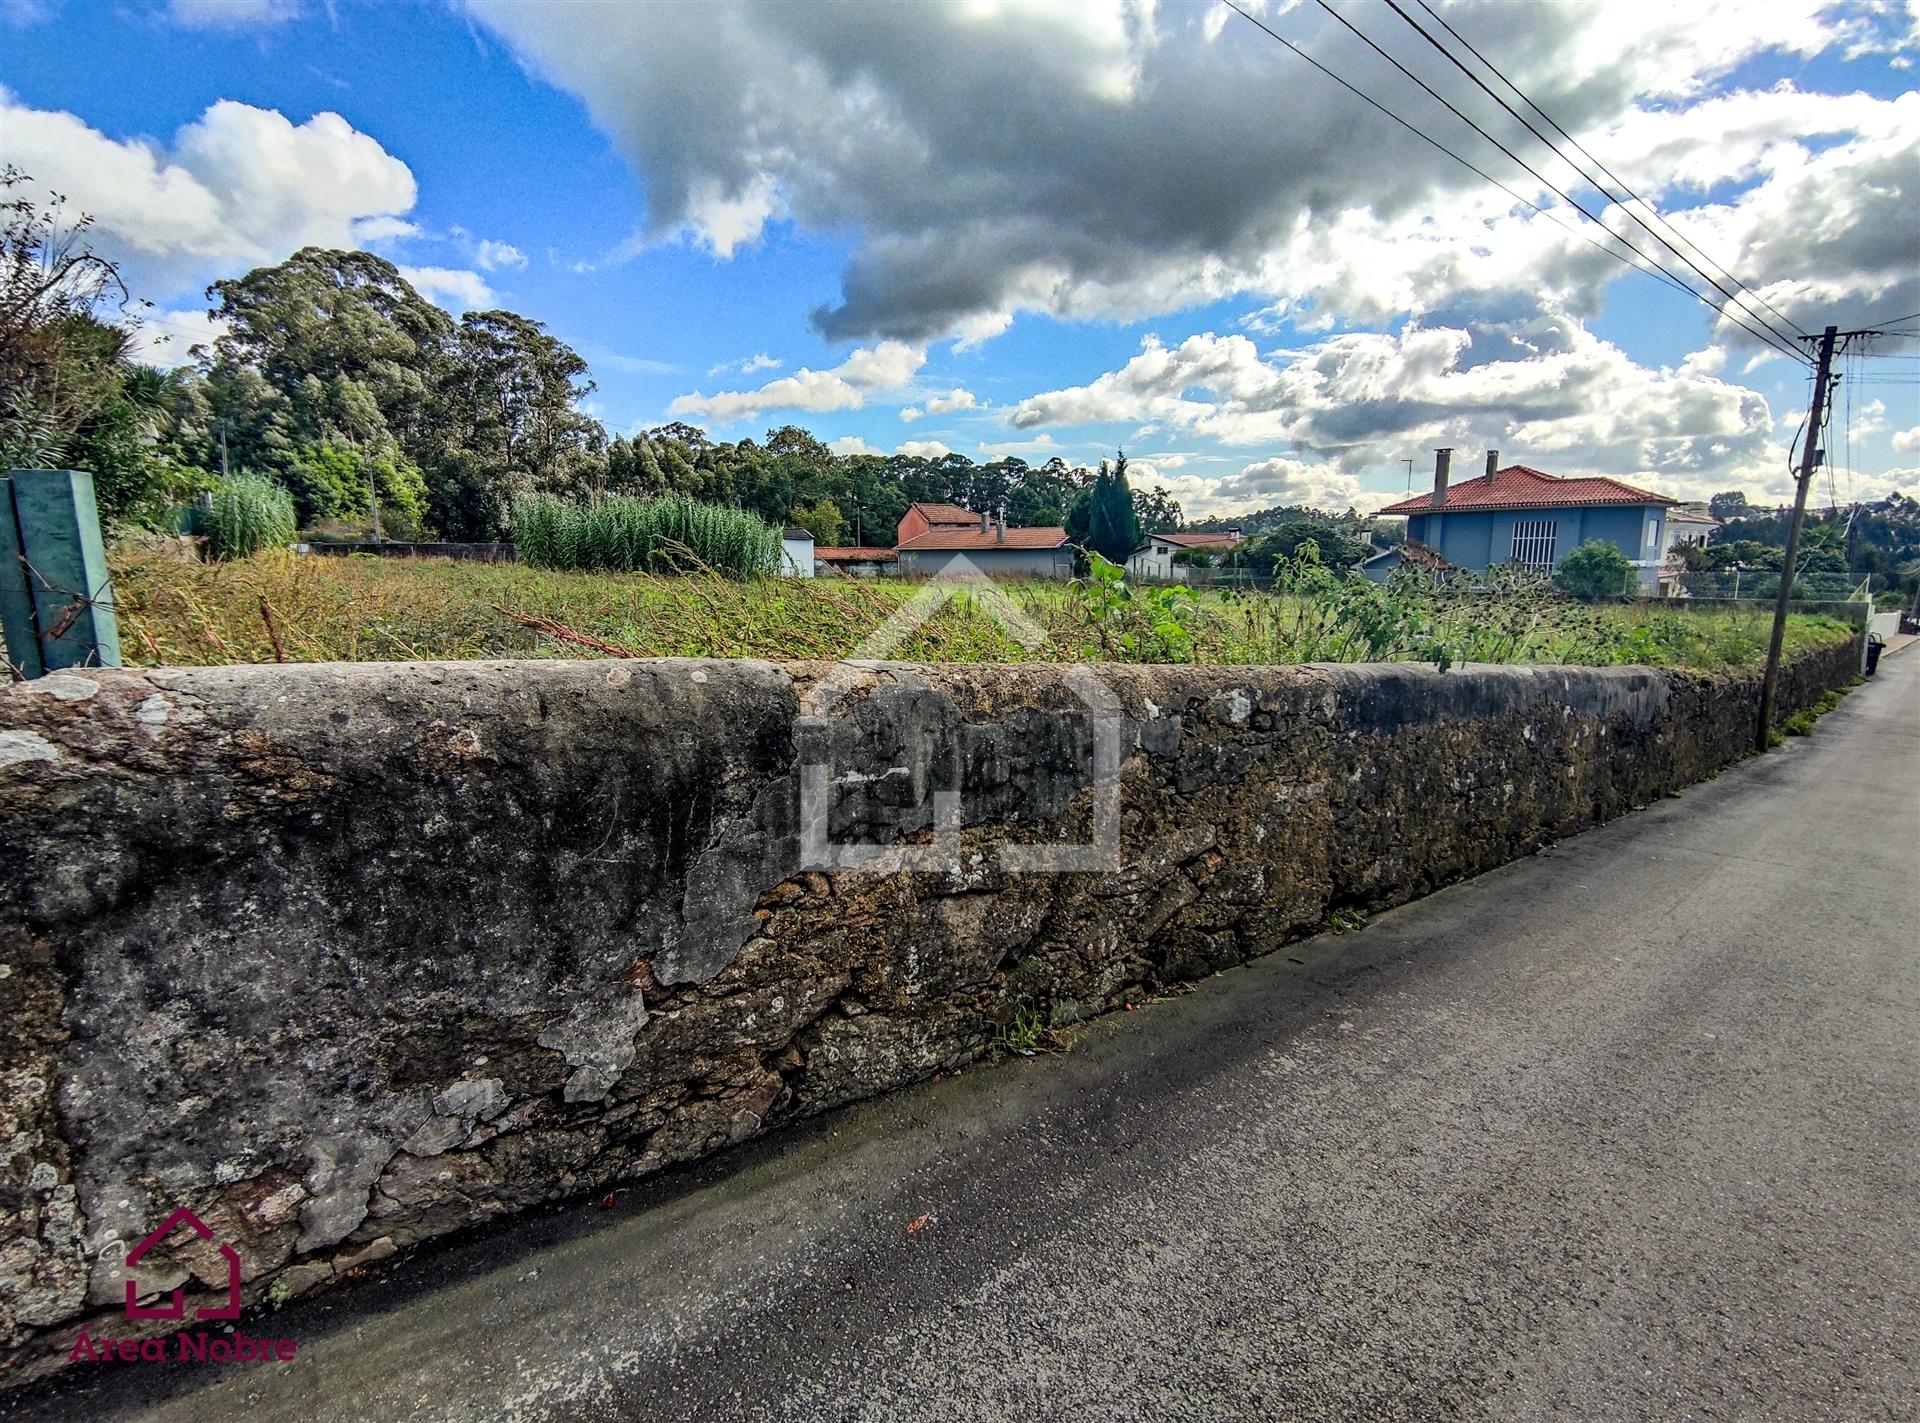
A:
[1874,643]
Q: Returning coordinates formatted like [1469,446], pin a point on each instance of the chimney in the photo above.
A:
[986,521]
[1493,463]
[1442,468]
[1003,525]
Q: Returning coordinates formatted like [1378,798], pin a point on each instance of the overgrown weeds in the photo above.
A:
[1801,723]
[1025,1034]
[177,611]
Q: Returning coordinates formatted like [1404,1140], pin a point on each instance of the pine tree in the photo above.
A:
[1108,524]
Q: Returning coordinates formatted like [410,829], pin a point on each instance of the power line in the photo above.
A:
[1778,343]
[1853,365]
[1656,273]
[1833,493]
[1494,69]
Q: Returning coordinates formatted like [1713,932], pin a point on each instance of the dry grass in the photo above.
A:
[177,611]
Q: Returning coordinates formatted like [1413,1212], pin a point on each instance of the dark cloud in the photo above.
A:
[1093,160]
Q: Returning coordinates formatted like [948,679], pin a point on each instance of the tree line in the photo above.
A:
[337,381]
[1879,539]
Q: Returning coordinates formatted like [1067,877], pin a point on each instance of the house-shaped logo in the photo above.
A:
[177,1308]
[1109,730]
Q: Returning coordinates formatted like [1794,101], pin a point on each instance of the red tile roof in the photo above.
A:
[855,553]
[1198,540]
[946,514]
[1420,556]
[1044,537]
[1413,552]
[1518,487]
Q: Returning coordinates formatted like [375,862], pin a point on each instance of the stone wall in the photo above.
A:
[342,957]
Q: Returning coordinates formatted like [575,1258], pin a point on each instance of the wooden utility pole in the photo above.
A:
[1809,461]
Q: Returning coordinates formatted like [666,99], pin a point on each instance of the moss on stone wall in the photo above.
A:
[343,957]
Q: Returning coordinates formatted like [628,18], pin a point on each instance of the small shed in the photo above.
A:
[857,560]
[1408,553]
[796,553]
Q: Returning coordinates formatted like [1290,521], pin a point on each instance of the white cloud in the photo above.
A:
[384,229]
[1286,481]
[1709,361]
[748,365]
[238,186]
[852,445]
[1545,390]
[637,365]
[887,366]
[1259,485]
[923,449]
[1907,441]
[723,219]
[1142,158]
[453,287]
[490,256]
[955,399]
[232,14]
[21,14]
[167,338]
[1042,446]
[1179,459]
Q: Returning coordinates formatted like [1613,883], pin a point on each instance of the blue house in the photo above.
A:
[1521,515]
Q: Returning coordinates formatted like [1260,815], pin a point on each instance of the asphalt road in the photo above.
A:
[1627,1130]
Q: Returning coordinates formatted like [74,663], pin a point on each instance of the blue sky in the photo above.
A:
[1132,225]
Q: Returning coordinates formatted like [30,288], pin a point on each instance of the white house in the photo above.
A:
[1689,524]
[796,553]
[1153,560]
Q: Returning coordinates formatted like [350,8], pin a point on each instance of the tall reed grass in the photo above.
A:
[249,514]
[667,534]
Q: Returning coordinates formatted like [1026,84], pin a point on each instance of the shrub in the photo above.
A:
[1334,544]
[248,514]
[1597,569]
[329,483]
[823,520]
[326,482]
[671,533]
[1143,624]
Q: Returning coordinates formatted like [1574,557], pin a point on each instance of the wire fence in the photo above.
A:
[1737,583]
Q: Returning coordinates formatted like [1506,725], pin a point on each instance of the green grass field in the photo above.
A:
[177,611]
